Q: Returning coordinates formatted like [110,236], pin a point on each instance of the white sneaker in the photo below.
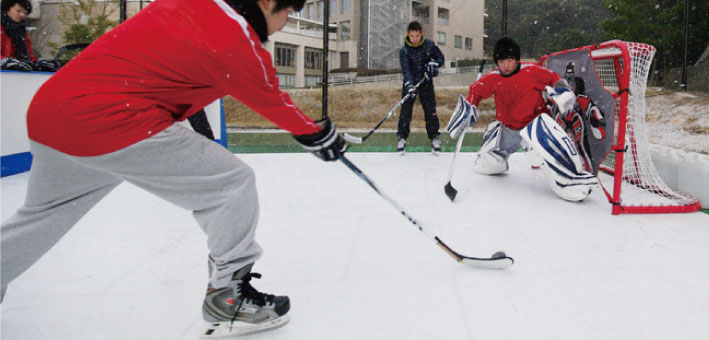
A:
[400,145]
[435,145]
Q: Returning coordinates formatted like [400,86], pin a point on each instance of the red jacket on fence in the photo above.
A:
[7,49]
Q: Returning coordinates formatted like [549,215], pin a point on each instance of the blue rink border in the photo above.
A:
[15,163]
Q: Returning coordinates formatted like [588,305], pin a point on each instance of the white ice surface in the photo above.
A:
[354,268]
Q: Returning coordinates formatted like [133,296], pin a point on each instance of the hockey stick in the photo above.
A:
[360,140]
[498,260]
[450,191]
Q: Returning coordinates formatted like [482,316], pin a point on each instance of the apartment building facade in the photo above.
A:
[367,34]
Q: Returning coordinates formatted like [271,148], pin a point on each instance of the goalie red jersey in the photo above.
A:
[132,82]
[518,97]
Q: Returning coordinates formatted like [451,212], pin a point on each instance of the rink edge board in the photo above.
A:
[15,163]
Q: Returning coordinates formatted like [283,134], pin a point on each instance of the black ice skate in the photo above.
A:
[239,309]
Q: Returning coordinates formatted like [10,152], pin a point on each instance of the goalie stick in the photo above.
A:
[498,260]
[450,191]
[360,140]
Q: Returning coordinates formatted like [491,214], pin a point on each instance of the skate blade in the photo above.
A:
[227,330]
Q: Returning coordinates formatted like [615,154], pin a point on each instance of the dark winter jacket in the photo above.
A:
[415,58]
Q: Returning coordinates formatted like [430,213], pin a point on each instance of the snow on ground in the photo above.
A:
[354,268]
[679,120]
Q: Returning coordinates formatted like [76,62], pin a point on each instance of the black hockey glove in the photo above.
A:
[15,64]
[432,69]
[325,144]
[47,65]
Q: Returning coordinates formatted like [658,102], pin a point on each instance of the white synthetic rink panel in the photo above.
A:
[136,267]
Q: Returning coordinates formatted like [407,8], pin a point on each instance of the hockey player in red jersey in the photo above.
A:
[110,116]
[522,91]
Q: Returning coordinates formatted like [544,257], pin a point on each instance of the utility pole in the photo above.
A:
[122,9]
[686,42]
[325,55]
[504,18]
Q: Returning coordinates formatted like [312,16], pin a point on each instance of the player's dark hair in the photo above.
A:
[414,26]
[296,4]
[506,48]
[7,4]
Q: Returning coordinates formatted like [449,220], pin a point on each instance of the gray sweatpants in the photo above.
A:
[176,164]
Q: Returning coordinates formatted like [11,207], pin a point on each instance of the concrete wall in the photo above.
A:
[686,172]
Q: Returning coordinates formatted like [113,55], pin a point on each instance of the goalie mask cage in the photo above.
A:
[627,174]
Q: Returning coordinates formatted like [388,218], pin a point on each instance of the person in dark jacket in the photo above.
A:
[419,57]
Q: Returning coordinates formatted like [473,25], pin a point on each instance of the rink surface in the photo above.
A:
[354,268]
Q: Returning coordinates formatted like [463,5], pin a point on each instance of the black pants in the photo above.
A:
[428,101]
[200,124]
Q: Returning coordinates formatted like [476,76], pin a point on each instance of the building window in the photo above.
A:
[420,13]
[441,38]
[286,80]
[345,6]
[469,44]
[310,12]
[313,58]
[333,7]
[311,81]
[458,41]
[345,30]
[344,60]
[443,15]
[284,55]
[321,9]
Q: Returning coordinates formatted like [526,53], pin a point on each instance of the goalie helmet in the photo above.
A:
[506,48]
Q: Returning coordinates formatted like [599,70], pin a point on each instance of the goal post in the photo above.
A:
[614,75]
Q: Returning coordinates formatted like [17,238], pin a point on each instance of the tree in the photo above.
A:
[660,24]
[85,21]
[545,26]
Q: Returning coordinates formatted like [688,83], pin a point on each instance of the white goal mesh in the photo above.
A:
[628,174]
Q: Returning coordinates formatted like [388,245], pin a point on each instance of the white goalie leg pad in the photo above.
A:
[489,161]
[562,165]
[228,330]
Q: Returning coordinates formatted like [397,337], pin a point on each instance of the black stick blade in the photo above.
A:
[450,191]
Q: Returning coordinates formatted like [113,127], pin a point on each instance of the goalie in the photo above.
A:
[521,93]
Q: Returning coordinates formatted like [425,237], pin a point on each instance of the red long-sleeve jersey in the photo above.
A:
[7,49]
[518,97]
[160,66]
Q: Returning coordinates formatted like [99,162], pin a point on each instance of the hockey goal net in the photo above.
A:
[626,172]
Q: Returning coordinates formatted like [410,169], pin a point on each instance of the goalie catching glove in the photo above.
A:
[326,144]
[562,97]
[464,116]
